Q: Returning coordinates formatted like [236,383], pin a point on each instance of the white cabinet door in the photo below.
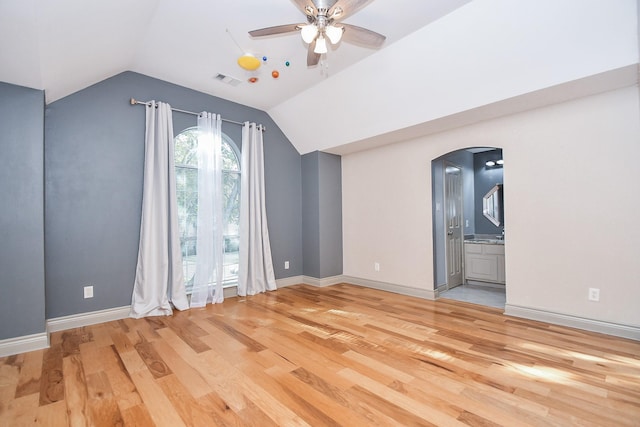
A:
[484,262]
[482,267]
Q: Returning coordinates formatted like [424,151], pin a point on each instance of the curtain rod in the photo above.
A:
[134,101]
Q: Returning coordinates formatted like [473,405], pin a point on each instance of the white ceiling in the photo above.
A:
[445,63]
[63,46]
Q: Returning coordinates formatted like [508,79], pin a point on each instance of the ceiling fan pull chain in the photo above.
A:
[324,68]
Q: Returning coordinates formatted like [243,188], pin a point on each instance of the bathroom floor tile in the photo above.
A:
[483,295]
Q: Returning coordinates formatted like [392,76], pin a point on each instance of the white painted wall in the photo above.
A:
[483,52]
[571,199]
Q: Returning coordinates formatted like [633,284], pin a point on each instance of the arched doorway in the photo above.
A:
[482,253]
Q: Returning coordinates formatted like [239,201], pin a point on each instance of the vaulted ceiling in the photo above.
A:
[444,63]
[62,46]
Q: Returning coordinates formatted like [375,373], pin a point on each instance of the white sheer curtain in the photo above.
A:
[255,273]
[207,282]
[159,279]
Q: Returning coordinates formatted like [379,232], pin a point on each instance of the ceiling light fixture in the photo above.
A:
[334,33]
[309,33]
[324,21]
[321,45]
[320,30]
[492,163]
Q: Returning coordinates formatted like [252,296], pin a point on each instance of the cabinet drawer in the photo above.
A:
[494,249]
[473,248]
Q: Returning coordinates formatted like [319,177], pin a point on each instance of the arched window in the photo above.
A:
[186,164]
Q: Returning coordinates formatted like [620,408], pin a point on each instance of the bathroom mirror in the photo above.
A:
[492,205]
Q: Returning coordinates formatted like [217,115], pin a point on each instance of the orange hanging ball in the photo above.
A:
[275,74]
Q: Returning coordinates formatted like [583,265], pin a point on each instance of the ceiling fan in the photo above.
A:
[323,22]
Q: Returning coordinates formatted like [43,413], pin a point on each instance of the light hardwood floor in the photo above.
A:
[341,355]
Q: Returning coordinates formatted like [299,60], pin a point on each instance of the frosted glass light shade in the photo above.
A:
[321,45]
[334,33]
[309,32]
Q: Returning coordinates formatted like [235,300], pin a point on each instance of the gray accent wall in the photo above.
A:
[94,158]
[22,275]
[310,215]
[322,214]
[485,179]
[330,194]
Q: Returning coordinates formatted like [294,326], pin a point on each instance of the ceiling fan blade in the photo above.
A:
[312,57]
[278,29]
[359,35]
[344,8]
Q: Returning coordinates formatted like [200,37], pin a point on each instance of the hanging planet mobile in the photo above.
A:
[249,62]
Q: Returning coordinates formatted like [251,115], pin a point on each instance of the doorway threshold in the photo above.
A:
[478,294]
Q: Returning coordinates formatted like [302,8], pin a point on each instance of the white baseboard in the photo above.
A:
[232,291]
[624,331]
[289,281]
[334,280]
[429,294]
[85,319]
[321,283]
[440,289]
[24,344]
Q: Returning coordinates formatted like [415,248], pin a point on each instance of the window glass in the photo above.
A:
[186,164]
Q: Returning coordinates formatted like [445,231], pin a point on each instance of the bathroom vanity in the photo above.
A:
[484,260]
[484,253]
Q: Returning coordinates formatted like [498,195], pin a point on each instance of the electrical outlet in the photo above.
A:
[594,294]
[376,266]
[88,291]
[286,265]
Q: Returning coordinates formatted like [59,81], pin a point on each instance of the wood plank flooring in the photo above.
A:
[340,355]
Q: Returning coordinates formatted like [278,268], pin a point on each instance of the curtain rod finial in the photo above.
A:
[133,101]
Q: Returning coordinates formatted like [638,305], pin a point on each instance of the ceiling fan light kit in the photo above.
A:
[309,32]
[321,45]
[322,15]
[334,33]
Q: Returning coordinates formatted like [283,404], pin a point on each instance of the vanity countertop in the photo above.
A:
[484,239]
